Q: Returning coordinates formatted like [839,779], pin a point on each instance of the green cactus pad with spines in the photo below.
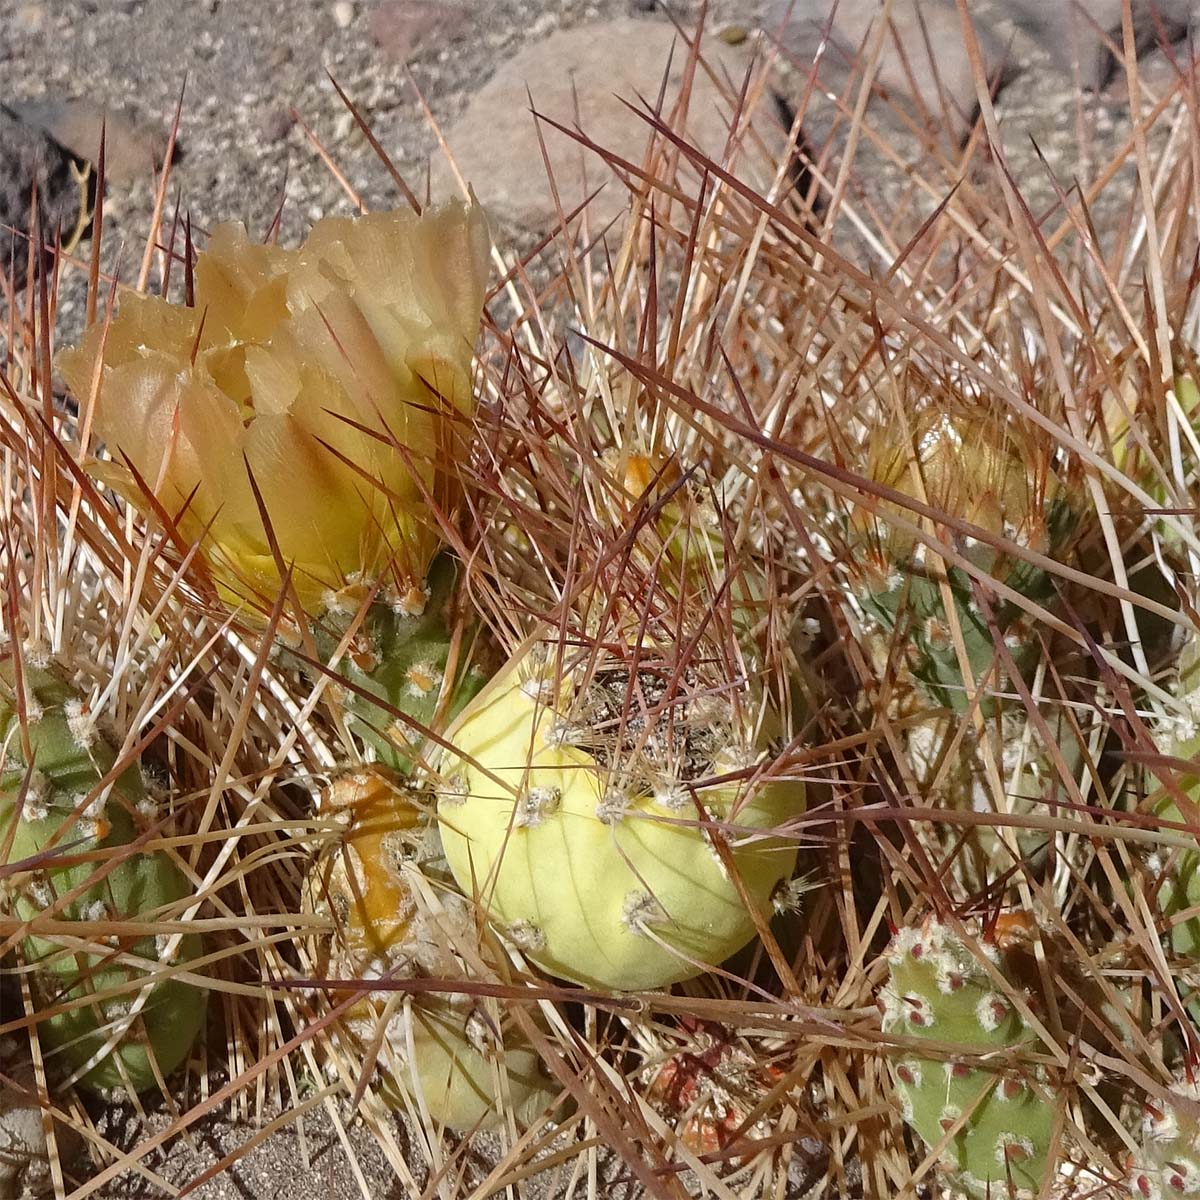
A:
[1168,1163]
[1179,738]
[66,815]
[939,991]
[402,661]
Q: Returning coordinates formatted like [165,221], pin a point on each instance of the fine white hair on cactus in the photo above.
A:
[454,790]
[641,910]
[1010,1146]
[526,936]
[613,807]
[81,723]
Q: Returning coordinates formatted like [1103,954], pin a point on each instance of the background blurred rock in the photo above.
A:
[598,78]
[1086,35]
[34,164]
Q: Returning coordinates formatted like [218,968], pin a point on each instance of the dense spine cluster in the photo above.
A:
[1168,1163]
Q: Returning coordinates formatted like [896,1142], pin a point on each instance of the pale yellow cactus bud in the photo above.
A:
[336,375]
[980,469]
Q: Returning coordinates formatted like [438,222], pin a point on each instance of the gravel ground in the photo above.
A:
[248,65]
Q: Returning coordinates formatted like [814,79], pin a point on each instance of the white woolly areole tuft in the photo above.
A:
[92,822]
[949,1115]
[613,809]
[991,1011]
[36,806]
[81,723]
[456,790]
[891,1007]
[40,891]
[540,691]
[1006,1143]
[918,1011]
[527,936]
[902,943]
[97,910]
[535,805]
[641,909]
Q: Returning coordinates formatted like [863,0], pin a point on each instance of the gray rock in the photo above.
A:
[24,1148]
[595,71]
[133,149]
[402,27]
[1073,31]
[27,156]
[923,56]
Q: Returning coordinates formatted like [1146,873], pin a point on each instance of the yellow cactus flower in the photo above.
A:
[334,375]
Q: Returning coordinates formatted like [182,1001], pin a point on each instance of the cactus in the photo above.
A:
[440,1051]
[982,471]
[400,655]
[994,1119]
[1178,737]
[316,399]
[1168,1163]
[607,873]
[131,1032]
[1028,773]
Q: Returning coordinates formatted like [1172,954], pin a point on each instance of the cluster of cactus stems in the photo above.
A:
[568,724]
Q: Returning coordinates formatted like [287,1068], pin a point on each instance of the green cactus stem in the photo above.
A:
[1168,1163]
[994,1118]
[993,476]
[397,662]
[55,803]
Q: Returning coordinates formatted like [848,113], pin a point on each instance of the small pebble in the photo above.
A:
[343,14]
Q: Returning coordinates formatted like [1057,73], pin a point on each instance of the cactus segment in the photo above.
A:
[1168,1164]
[999,1116]
[991,475]
[603,879]
[1179,739]
[949,769]
[134,1025]
[462,1065]
[401,658]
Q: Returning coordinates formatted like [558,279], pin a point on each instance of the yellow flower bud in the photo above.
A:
[981,469]
[335,375]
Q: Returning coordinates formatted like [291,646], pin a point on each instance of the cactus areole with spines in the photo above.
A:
[993,1116]
[1168,1164]
[601,865]
[138,1027]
